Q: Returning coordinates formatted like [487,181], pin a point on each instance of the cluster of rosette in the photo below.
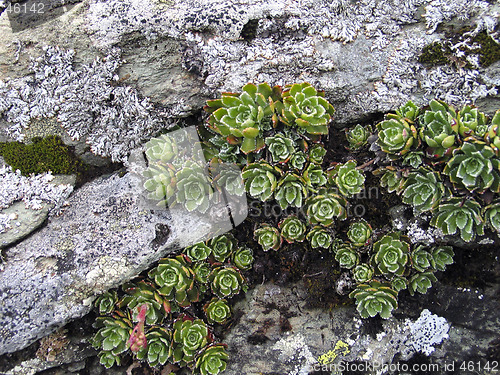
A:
[152,320]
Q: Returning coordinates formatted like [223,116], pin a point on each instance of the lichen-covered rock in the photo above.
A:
[104,238]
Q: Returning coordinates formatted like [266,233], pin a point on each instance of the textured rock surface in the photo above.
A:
[103,238]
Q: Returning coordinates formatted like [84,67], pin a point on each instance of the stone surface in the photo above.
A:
[104,237]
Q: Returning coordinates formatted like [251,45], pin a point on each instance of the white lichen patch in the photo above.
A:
[294,350]
[35,191]
[428,330]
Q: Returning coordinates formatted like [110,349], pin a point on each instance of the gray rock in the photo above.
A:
[104,238]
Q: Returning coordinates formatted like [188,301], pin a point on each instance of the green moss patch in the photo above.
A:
[40,156]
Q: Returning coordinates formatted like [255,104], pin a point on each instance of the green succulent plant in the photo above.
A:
[492,136]
[322,209]
[242,258]
[399,283]
[457,214]
[105,303]
[421,259]
[363,273]
[143,293]
[217,311]
[471,122]
[163,149]
[280,147]
[391,179]
[439,128]
[212,360]
[423,190]
[202,271]
[305,107]
[443,256]
[175,280]
[414,159]
[359,233]
[197,252]
[375,298]
[261,180]
[314,176]
[291,191]
[491,214]
[111,338]
[420,282]
[317,154]
[395,135]
[230,181]
[292,229]
[157,351]
[319,237]
[475,167]
[226,282]
[161,183]
[391,254]
[408,111]
[219,147]
[189,337]
[268,237]
[347,256]
[349,180]
[222,247]
[358,136]
[244,116]
[194,190]
[298,160]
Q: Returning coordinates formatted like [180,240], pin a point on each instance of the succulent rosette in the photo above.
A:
[421,259]
[175,280]
[420,282]
[162,148]
[319,237]
[105,303]
[317,154]
[359,233]
[244,116]
[409,111]
[414,159]
[298,160]
[363,273]
[358,136]
[280,147]
[347,256]
[323,208]
[211,360]
[491,214]
[349,180]
[457,214]
[391,254]
[395,135]
[230,181]
[305,107]
[291,191]
[161,183]
[222,247]
[391,179]
[475,167]
[492,135]
[314,176]
[143,293]
[471,122]
[194,190]
[197,252]
[217,311]
[111,338]
[423,190]
[189,337]
[375,298]
[202,271]
[268,237]
[226,282]
[242,258]
[261,180]
[292,229]
[158,347]
[443,256]
[439,128]
[399,283]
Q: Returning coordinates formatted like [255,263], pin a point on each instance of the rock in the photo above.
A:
[104,238]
